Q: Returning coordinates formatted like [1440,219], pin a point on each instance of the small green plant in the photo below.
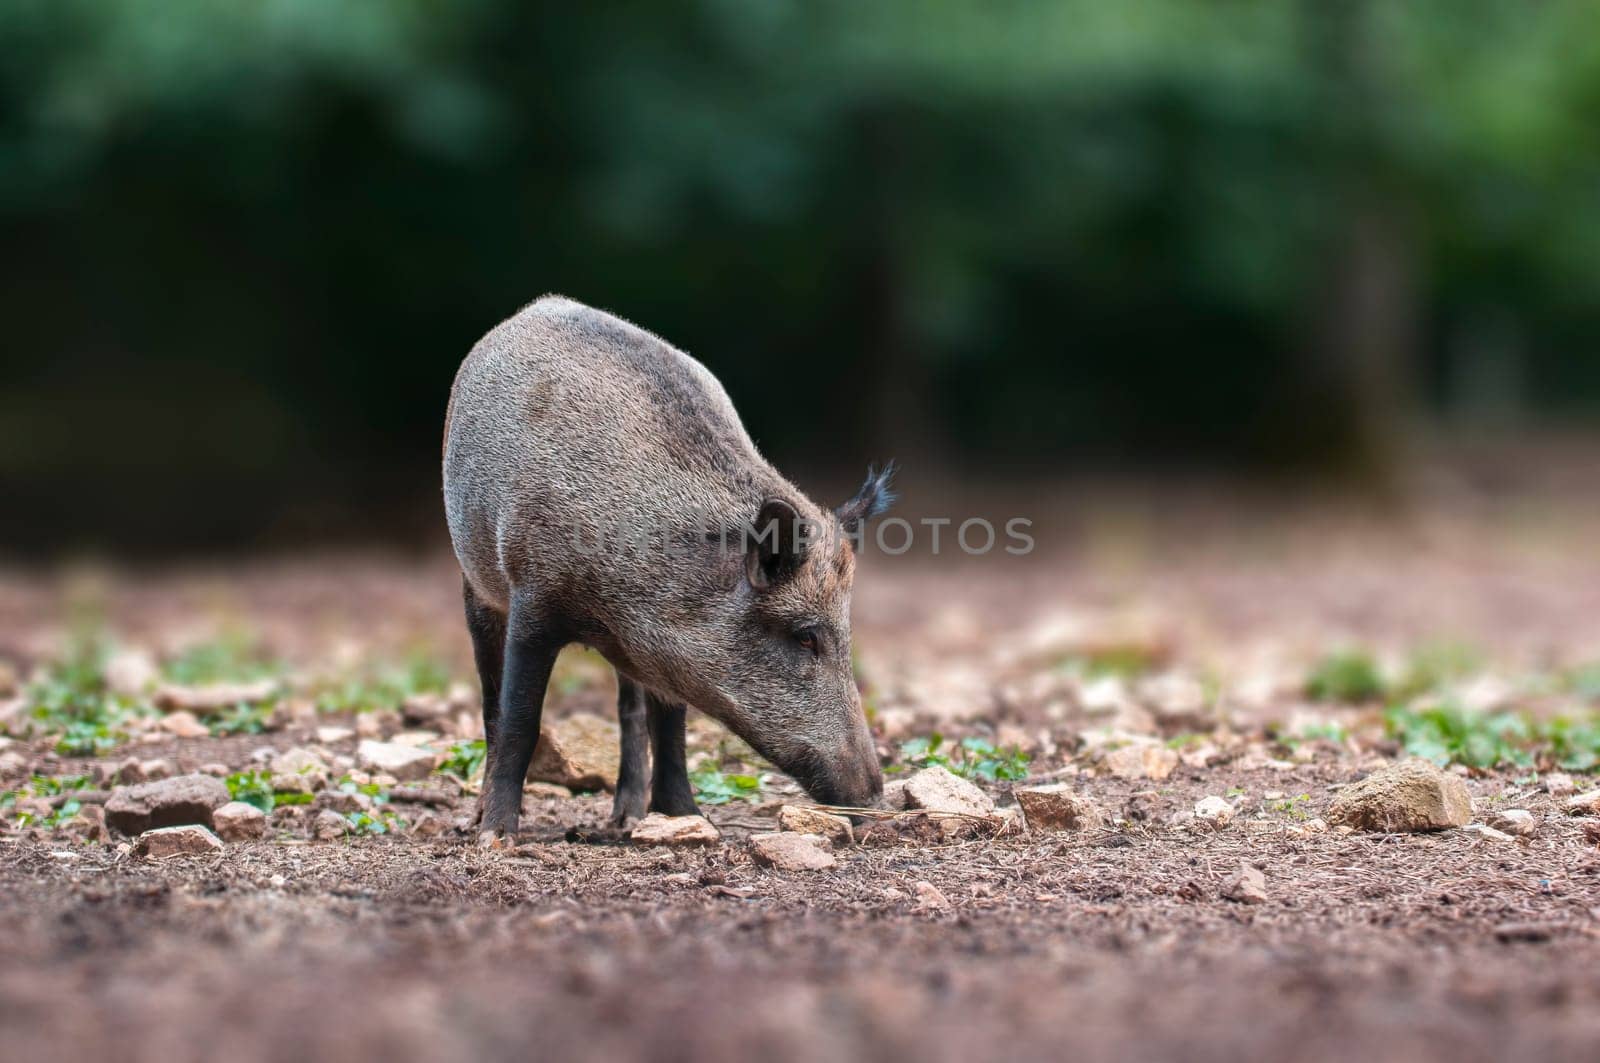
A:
[1432,666]
[72,701]
[253,788]
[242,719]
[1448,734]
[1294,806]
[47,786]
[1124,661]
[232,657]
[385,687]
[1584,681]
[465,760]
[973,758]
[713,787]
[1348,677]
[374,822]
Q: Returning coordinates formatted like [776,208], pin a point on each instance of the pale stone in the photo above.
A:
[163,842]
[791,851]
[1517,821]
[402,762]
[1140,761]
[1058,808]
[1584,804]
[213,698]
[799,820]
[1215,811]
[1246,886]
[184,724]
[936,789]
[1411,796]
[657,829]
[581,752]
[238,822]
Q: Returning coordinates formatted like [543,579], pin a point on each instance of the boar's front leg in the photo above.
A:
[670,792]
[531,648]
[632,775]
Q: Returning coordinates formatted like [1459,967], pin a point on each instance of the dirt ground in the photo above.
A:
[1116,943]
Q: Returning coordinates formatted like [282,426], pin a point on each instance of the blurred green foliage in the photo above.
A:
[251,241]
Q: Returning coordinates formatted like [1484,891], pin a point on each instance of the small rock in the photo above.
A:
[1246,886]
[1559,784]
[415,739]
[894,796]
[1591,833]
[789,851]
[1584,804]
[187,799]
[329,826]
[1516,821]
[8,679]
[238,822]
[330,736]
[299,761]
[1140,761]
[580,752]
[428,825]
[213,698]
[1487,833]
[215,768]
[374,724]
[1411,796]
[403,762]
[425,708]
[91,822]
[130,672]
[130,772]
[798,820]
[163,842]
[156,769]
[935,789]
[929,898]
[1215,811]
[344,801]
[547,790]
[656,829]
[184,724]
[1058,808]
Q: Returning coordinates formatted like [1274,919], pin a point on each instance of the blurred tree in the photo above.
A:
[251,241]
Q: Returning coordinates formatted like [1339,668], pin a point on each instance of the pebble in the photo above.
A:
[790,851]
[1058,807]
[187,799]
[1410,796]
[657,829]
[1245,886]
[1517,821]
[184,724]
[402,762]
[1215,811]
[929,898]
[1584,804]
[800,820]
[329,826]
[163,842]
[237,822]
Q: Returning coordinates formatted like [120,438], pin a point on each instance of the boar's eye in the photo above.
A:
[807,638]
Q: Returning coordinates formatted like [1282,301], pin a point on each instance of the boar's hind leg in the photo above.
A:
[488,631]
[531,648]
[631,776]
[670,792]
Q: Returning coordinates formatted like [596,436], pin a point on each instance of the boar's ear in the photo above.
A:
[776,544]
[873,499]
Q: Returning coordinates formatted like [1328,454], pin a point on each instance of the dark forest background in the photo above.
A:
[248,241]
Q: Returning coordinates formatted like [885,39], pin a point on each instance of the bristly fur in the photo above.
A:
[873,500]
[565,422]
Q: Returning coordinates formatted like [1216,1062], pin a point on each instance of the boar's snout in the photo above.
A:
[852,778]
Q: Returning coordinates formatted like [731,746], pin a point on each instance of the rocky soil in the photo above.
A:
[1157,844]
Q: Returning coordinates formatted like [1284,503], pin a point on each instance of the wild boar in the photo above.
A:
[601,489]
